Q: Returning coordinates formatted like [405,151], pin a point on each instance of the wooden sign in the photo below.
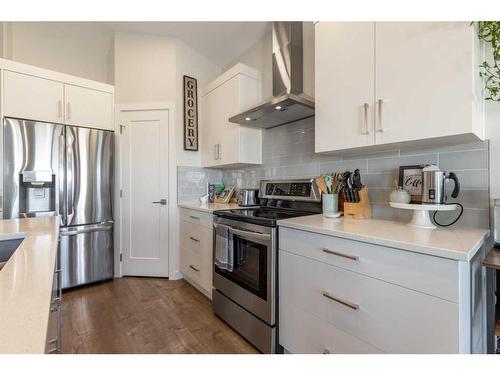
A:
[190,114]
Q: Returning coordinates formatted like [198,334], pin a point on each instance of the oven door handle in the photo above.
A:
[250,235]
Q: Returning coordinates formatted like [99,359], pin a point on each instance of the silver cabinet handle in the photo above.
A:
[194,268]
[218,151]
[215,151]
[366,130]
[163,202]
[351,257]
[68,110]
[59,109]
[341,301]
[194,239]
[380,128]
[326,351]
[194,217]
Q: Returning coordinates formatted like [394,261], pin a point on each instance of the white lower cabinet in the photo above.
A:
[355,298]
[196,241]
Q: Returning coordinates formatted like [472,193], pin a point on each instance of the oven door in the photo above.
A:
[251,282]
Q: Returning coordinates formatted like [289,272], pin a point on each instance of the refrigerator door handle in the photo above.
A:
[86,229]
[62,179]
[70,174]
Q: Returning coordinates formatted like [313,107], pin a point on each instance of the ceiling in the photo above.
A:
[220,42]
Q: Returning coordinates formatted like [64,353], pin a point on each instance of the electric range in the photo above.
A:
[246,258]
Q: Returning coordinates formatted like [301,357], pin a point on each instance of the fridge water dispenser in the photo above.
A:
[37,193]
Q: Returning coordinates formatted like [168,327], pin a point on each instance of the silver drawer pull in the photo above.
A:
[194,217]
[351,257]
[341,301]
[194,239]
[326,351]
[194,268]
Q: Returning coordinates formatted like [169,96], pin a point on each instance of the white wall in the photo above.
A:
[77,48]
[149,69]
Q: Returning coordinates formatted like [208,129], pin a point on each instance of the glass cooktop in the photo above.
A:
[261,215]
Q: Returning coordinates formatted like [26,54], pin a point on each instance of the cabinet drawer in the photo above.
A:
[424,273]
[389,317]
[191,265]
[197,238]
[197,217]
[304,333]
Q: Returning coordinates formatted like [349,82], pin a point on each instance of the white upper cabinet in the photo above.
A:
[344,85]
[87,107]
[424,74]
[387,83]
[33,93]
[224,143]
[32,98]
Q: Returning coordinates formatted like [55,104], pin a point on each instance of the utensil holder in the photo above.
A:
[330,204]
[361,209]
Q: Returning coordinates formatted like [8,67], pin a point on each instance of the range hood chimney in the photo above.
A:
[289,103]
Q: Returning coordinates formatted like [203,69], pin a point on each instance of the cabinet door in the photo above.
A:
[423,76]
[344,85]
[32,98]
[227,104]
[87,107]
[209,133]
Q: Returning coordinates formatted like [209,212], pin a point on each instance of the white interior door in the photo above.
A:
[145,186]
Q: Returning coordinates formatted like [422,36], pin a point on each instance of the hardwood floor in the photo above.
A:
[144,315]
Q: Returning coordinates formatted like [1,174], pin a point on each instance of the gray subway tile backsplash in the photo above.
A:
[288,152]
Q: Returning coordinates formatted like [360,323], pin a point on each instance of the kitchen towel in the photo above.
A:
[224,252]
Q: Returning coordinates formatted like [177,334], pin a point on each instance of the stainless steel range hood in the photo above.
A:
[289,103]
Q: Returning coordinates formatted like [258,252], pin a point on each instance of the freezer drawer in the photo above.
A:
[86,254]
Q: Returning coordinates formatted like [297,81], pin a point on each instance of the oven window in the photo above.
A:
[249,266]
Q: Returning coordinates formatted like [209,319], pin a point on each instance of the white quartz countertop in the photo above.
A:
[208,207]
[26,284]
[452,243]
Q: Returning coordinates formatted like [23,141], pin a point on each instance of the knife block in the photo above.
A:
[360,210]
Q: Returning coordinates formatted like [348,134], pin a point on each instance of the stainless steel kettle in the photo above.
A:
[433,185]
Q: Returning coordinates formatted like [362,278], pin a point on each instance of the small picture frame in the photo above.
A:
[410,178]
[225,196]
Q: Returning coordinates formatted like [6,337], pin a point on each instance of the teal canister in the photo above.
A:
[330,205]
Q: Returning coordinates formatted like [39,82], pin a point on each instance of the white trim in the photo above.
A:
[464,307]
[173,271]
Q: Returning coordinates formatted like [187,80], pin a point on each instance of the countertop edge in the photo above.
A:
[32,339]
[197,206]
[432,251]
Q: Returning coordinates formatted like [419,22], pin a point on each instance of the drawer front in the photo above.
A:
[304,333]
[432,275]
[196,217]
[191,265]
[386,316]
[197,238]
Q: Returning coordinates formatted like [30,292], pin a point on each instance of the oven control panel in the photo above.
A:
[305,190]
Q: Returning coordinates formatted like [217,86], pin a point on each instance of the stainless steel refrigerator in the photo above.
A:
[53,169]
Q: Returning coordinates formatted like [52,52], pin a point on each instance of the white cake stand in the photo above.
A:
[421,217]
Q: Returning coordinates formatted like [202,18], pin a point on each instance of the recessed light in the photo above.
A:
[247,118]
[278,107]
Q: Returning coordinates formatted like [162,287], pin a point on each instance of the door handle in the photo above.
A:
[366,130]
[163,202]
[380,128]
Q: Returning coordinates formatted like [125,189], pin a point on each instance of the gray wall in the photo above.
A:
[288,152]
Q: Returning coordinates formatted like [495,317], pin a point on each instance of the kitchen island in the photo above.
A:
[380,286]
[26,284]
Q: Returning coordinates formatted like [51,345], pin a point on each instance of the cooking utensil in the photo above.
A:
[328,181]
[320,182]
